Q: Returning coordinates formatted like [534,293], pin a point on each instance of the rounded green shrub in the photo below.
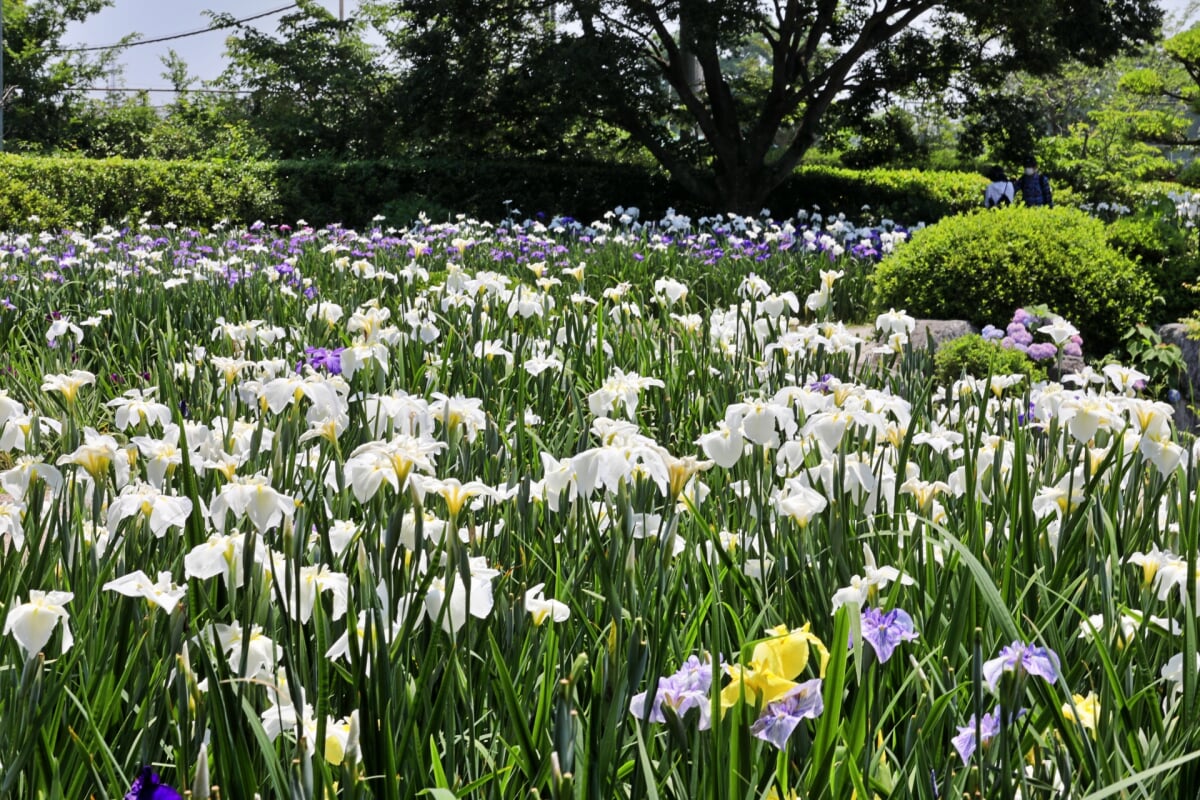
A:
[975,355]
[983,265]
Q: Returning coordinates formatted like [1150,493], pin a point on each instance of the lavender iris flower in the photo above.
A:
[688,688]
[885,631]
[1021,658]
[965,742]
[821,384]
[148,786]
[781,717]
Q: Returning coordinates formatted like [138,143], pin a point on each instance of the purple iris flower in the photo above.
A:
[965,742]
[781,717]
[687,689]
[148,786]
[821,384]
[321,358]
[884,631]
[1023,659]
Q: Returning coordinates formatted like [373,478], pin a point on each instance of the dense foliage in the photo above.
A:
[22,207]
[89,191]
[38,103]
[1159,238]
[727,97]
[675,76]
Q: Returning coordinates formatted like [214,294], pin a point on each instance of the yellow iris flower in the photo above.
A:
[774,665]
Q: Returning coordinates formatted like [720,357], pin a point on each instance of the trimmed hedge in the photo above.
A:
[981,266]
[353,192]
[23,208]
[908,196]
[322,191]
[586,191]
[107,190]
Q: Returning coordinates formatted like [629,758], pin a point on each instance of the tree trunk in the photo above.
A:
[744,189]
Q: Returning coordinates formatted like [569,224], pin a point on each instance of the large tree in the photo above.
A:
[314,88]
[481,78]
[659,69]
[41,77]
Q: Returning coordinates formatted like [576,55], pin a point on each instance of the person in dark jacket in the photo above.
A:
[1034,187]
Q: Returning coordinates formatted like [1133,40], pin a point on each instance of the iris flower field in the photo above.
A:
[629,509]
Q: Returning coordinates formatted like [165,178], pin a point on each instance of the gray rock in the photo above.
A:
[1176,334]
[1069,365]
[939,331]
[926,331]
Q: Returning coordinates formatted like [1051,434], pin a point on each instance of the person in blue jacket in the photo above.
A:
[1034,187]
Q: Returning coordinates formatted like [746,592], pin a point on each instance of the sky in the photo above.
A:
[204,53]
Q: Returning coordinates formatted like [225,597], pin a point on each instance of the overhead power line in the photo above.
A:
[127,89]
[175,36]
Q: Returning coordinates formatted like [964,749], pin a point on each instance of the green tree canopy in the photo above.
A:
[38,76]
[659,69]
[315,88]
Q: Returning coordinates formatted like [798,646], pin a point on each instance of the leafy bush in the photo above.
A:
[1166,254]
[191,192]
[981,266]
[907,195]
[406,210]
[887,138]
[1189,175]
[975,355]
[1162,363]
[19,203]
[1103,160]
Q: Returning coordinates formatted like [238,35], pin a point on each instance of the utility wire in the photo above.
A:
[171,91]
[172,37]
